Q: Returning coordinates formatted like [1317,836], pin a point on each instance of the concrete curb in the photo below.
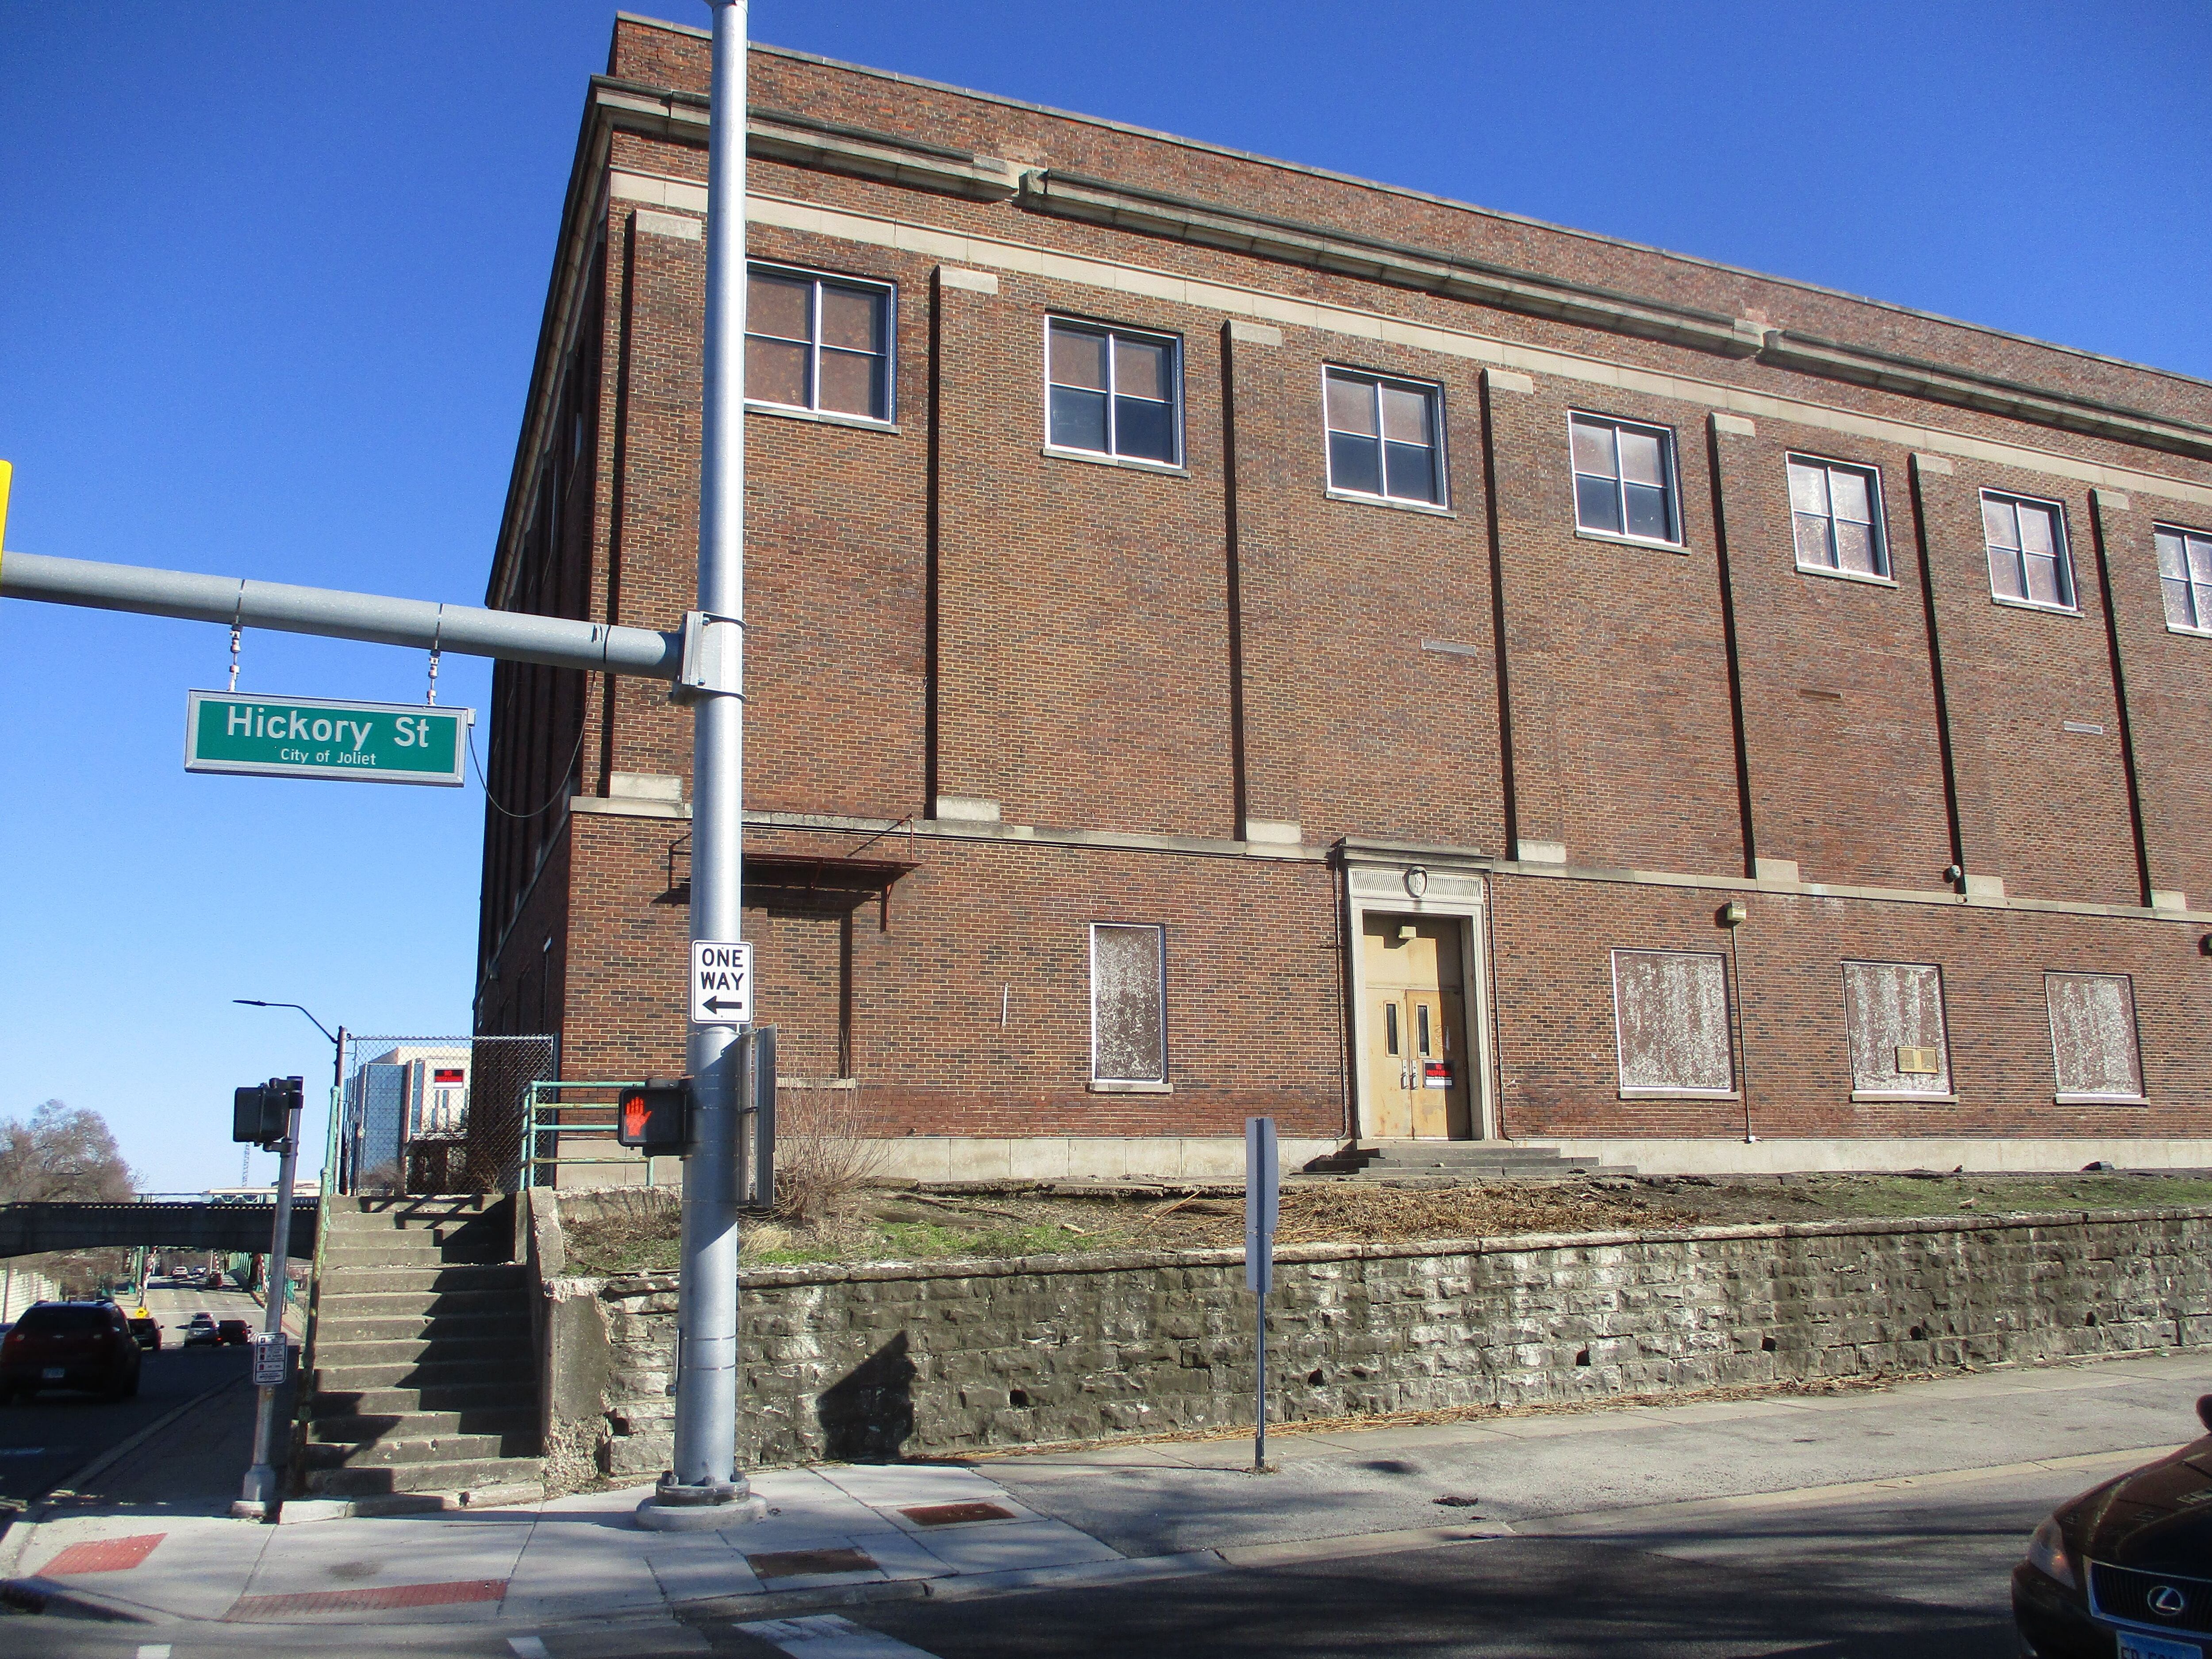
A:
[35,1512]
[43,1595]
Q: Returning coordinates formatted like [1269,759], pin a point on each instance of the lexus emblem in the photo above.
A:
[2166,1601]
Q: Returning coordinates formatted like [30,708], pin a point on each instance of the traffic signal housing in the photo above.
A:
[655,1116]
[261,1113]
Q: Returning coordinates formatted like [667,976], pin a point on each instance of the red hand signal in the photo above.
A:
[635,1115]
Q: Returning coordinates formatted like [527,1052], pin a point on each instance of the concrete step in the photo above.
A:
[1462,1159]
[510,1325]
[341,1426]
[401,1349]
[339,1256]
[341,1301]
[423,1278]
[516,1374]
[338,1403]
[438,1448]
[428,1477]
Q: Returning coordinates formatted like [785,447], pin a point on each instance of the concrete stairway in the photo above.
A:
[1449,1162]
[426,1379]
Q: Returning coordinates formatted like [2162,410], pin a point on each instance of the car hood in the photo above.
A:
[2157,1518]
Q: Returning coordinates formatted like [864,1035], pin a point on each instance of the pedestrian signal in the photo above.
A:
[653,1116]
[261,1115]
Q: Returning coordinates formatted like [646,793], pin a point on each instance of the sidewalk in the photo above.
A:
[841,1534]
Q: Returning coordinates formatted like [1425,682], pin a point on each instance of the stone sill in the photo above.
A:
[2101,1100]
[1904,1094]
[639,1285]
[1104,1086]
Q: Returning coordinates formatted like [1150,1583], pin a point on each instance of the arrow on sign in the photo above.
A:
[716,1005]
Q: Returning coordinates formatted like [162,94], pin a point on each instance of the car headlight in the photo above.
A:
[2046,1554]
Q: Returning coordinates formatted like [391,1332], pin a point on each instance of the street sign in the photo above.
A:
[271,1359]
[1262,1194]
[325,737]
[721,982]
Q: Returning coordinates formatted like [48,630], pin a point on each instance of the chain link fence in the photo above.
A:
[435,1114]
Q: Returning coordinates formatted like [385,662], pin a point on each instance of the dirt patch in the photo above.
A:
[908,1225]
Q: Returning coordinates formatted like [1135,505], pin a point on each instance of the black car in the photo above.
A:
[70,1344]
[2125,1571]
[231,1332]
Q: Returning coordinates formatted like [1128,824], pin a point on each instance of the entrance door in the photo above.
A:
[1416,1078]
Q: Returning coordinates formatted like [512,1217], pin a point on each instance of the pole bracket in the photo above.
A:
[713,658]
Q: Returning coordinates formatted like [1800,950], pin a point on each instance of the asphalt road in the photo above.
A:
[44,1439]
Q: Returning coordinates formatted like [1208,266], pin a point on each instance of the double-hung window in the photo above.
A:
[1112,393]
[818,344]
[2184,571]
[2026,540]
[1384,437]
[1835,514]
[1129,1005]
[1625,479]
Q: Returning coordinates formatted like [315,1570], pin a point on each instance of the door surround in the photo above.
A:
[1408,887]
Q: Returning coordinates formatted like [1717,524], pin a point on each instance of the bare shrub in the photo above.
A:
[825,1154]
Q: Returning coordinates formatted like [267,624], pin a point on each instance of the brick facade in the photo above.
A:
[997,692]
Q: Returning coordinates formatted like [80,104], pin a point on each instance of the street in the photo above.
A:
[1875,1523]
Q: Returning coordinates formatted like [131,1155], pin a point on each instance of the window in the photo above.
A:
[1670,1012]
[2093,1036]
[1893,1011]
[815,343]
[1835,514]
[1383,437]
[2028,551]
[1129,1004]
[1624,479]
[2185,570]
[1112,394]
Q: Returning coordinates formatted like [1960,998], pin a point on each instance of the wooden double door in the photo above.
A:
[1417,1079]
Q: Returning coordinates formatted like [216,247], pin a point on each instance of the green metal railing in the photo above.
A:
[548,1121]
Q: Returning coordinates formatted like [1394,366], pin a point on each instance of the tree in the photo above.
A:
[64,1151]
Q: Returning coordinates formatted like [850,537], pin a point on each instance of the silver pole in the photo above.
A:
[260,1492]
[704,1489]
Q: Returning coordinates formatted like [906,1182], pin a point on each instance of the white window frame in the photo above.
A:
[2064,1097]
[1673,541]
[1100,1083]
[1648,1092]
[814,411]
[1884,577]
[1114,331]
[1433,390]
[2201,628]
[2065,545]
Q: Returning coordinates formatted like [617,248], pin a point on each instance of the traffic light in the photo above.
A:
[261,1113]
[653,1116]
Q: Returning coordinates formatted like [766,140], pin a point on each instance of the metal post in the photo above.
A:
[704,1489]
[261,1490]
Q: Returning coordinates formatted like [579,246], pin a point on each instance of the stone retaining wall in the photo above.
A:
[871,1361]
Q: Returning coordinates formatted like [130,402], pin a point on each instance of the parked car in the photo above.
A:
[146,1331]
[231,1332]
[2122,1569]
[70,1344]
[200,1331]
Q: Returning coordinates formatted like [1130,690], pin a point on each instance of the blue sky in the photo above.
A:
[272,280]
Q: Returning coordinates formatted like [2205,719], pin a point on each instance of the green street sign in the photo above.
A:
[325,737]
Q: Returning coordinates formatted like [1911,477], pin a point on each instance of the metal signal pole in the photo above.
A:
[704,1489]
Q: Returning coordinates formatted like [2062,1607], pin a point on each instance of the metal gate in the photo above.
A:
[434,1113]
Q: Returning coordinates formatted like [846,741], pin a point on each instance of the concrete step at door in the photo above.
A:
[441,1476]
[352,1428]
[430,1449]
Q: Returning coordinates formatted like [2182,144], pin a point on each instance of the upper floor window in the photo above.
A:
[1384,437]
[1113,393]
[818,344]
[1128,1004]
[2185,570]
[2028,551]
[1625,479]
[1835,513]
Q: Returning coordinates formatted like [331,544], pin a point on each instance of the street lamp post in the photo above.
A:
[259,1494]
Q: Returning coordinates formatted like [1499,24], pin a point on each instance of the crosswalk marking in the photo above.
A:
[826,1636]
[153,1651]
[528,1647]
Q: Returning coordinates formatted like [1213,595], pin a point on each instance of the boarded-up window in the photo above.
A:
[1129,1004]
[1670,1008]
[1894,1013]
[2093,1036]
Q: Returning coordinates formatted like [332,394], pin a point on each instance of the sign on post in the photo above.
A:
[721,982]
[272,1357]
[325,738]
[1262,1191]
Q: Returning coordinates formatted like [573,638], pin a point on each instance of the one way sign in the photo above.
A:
[721,982]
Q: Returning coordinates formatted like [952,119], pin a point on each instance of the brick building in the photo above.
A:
[1228,638]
